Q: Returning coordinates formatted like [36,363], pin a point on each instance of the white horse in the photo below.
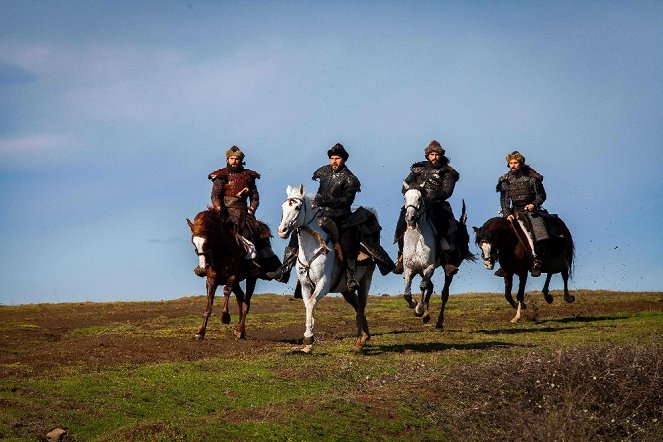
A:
[317,267]
[420,252]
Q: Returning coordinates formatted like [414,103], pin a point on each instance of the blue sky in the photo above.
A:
[113,113]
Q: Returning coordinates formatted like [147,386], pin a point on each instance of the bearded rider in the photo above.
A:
[521,196]
[436,179]
[336,193]
[235,197]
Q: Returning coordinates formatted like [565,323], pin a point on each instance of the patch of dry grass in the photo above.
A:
[607,393]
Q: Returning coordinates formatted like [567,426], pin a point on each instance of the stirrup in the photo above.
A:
[536,268]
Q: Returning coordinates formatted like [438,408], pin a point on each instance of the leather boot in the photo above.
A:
[351,281]
[282,274]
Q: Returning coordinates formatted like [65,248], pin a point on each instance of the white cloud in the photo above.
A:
[36,144]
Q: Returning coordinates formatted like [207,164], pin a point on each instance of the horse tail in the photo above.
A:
[569,254]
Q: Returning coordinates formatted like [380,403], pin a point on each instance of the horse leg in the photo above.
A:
[426,287]
[225,313]
[363,335]
[243,304]
[211,290]
[407,275]
[310,301]
[445,298]
[567,296]
[546,295]
[522,280]
[508,285]
[423,307]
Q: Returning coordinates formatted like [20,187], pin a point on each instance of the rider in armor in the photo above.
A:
[436,179]
[336,193]
[521,196]
[235,197]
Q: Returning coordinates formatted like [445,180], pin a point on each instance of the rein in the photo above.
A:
[517,232]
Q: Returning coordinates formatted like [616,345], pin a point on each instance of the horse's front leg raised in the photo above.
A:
[426,287]
[445,298]
[225,312]
[522,280]
[211,290]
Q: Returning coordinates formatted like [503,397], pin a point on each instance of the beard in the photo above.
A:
[234,167]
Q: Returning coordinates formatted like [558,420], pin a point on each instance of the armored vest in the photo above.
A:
[233,189]
[337,190]
[437,183]
[520,189]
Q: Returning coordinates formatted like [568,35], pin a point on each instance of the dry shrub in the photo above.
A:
[609,393]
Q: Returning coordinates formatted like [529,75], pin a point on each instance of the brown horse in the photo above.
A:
[221,254]
[502,240]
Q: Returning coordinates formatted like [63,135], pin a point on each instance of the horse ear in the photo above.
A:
[301,189]
[188,221]
[463,216]
[476,230]
[288,189]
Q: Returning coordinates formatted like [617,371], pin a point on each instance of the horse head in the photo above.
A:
[295,210]
[414,205]
[485,240]
[205,228]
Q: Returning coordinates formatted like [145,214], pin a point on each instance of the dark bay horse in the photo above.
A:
[502,240]
[221,253]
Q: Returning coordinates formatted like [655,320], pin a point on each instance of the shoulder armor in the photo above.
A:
[418,166]
[534,174]
[501,182]
[252,174]
[452,171]
[217,173]
[319,172]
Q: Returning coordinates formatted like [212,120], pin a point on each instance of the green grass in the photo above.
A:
[397,390]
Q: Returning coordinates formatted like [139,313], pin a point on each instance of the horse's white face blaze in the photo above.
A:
[413,203]
[198,242]
[291,209]
[486,250]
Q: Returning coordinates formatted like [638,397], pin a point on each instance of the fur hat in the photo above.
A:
[235,152]
[338,150]
[434,146]
[515,155]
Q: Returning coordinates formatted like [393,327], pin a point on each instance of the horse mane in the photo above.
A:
[208,221]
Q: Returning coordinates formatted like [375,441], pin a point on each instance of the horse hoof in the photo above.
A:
[225,318]
[548,298]
[425,318]
[358,348]
[307,349]
[514,320]
[513,304]
[570,298]
[199,336]
[239,335]
[410,302]
[439,326]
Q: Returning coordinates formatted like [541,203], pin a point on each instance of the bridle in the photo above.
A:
[323,250]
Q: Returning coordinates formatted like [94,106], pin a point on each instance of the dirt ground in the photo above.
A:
[38,339]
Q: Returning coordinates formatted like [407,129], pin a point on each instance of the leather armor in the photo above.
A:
[436,183]
[337,190]
[520,189]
